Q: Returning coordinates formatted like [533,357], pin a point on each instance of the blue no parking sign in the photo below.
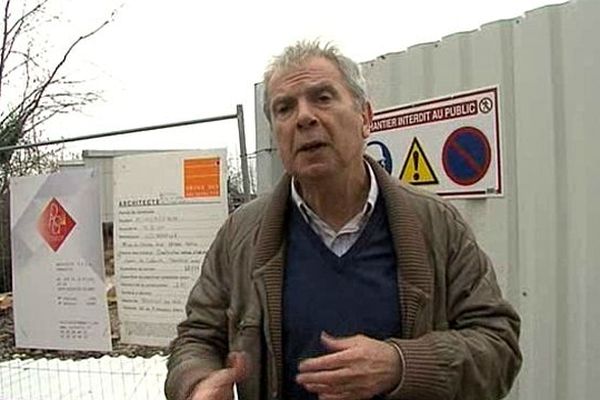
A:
[466,156]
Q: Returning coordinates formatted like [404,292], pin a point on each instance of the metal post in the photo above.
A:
[243,154]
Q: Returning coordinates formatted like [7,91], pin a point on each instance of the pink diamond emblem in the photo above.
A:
[55,224]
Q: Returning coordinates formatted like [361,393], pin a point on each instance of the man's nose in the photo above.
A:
[306,117]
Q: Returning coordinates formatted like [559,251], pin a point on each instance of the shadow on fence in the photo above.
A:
[5,267]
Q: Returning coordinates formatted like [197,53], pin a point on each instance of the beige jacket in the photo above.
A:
[459,337]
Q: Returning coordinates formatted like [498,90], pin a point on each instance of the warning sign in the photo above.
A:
[416,168]
[449,145]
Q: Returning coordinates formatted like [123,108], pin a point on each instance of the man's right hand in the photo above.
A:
[219,384]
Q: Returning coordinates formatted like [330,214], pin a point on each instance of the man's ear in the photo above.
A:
[367,116]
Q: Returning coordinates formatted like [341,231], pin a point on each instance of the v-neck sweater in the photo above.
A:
[355,293]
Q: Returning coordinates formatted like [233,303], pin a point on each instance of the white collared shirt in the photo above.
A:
[339,242]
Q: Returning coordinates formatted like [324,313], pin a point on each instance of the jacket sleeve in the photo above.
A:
[201,343]
[478,356]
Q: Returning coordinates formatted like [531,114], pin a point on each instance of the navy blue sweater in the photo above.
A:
[343,296]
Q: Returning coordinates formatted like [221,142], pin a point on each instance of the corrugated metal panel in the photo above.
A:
[543,235]
[268,166]
[557,76]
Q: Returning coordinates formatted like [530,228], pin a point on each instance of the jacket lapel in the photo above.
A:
[269,264]
[415,277]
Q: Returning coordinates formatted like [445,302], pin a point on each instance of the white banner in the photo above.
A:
[449,145]
[58,263]
[168,209]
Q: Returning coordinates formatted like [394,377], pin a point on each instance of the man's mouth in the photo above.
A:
[308,147]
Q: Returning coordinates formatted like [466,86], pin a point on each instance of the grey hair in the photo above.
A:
[300,52]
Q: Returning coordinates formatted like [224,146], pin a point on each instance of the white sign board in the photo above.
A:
[58,263]
[449,145]
[168,209]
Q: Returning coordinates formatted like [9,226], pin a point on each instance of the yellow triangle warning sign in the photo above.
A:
[416,169]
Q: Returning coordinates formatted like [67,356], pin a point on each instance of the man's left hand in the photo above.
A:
[358,367]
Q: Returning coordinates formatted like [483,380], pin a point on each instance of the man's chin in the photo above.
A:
[315,171]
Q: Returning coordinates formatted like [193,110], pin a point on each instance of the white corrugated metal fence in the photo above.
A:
[544,234]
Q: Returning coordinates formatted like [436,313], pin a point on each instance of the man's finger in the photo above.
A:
[220,378]
[331,378]
[334,344]
[239,363]
[338,396]
[327,362]
[319,388]
[328,392]
[236,371]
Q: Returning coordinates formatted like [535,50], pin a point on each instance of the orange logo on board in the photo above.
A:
[55,224]
[202,177]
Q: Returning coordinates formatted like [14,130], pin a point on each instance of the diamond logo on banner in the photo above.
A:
[55,224]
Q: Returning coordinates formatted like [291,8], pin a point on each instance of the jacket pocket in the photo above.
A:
[245,336]
[243,332]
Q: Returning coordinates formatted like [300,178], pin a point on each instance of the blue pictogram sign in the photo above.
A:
[466,156]
[381,154]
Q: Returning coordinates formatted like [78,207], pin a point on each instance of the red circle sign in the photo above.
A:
[466,156]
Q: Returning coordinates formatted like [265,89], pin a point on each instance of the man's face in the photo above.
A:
[319,127]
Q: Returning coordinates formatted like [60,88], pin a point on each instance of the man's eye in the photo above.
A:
[281,109]
[324,97]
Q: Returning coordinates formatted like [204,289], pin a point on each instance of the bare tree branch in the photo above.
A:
[14,29]
[4,39]
[58,66]
[32,90]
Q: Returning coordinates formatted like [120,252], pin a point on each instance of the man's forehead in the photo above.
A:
[312,69]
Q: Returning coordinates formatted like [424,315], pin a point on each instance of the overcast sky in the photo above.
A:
[167,61]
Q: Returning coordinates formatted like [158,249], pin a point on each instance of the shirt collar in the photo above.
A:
[366,211]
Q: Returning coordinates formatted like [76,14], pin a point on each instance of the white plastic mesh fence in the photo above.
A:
[114,378]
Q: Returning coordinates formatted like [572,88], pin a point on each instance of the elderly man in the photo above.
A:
[343,283]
